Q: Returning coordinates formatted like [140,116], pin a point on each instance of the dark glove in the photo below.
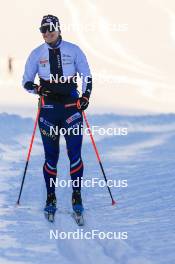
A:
[42,90]
[82,103]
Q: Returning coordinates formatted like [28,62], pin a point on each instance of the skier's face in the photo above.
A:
[50,37]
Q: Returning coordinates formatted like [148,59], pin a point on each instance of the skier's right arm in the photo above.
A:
[31,69]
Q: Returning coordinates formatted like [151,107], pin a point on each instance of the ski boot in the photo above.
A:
[77,207]
[50,207]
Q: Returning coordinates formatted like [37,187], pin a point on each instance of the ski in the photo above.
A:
[78,217]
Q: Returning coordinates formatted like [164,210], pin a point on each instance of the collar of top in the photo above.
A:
[57,44]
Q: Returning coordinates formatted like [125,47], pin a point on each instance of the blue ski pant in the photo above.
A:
[55,118]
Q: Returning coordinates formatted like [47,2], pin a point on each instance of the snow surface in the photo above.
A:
[145,209]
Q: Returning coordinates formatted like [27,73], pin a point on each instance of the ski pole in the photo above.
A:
[30,148]
[98,157]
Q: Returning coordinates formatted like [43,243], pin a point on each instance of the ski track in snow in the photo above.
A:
[145,209]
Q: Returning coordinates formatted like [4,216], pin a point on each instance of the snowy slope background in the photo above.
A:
[145,209]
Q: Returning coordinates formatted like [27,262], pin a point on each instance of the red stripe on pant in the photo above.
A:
[77,169]
[49,171]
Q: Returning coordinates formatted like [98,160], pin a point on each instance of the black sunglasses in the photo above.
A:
[49,28]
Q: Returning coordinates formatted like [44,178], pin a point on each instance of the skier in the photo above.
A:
[53,61]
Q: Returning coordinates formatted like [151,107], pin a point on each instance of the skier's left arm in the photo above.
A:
[83,70]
